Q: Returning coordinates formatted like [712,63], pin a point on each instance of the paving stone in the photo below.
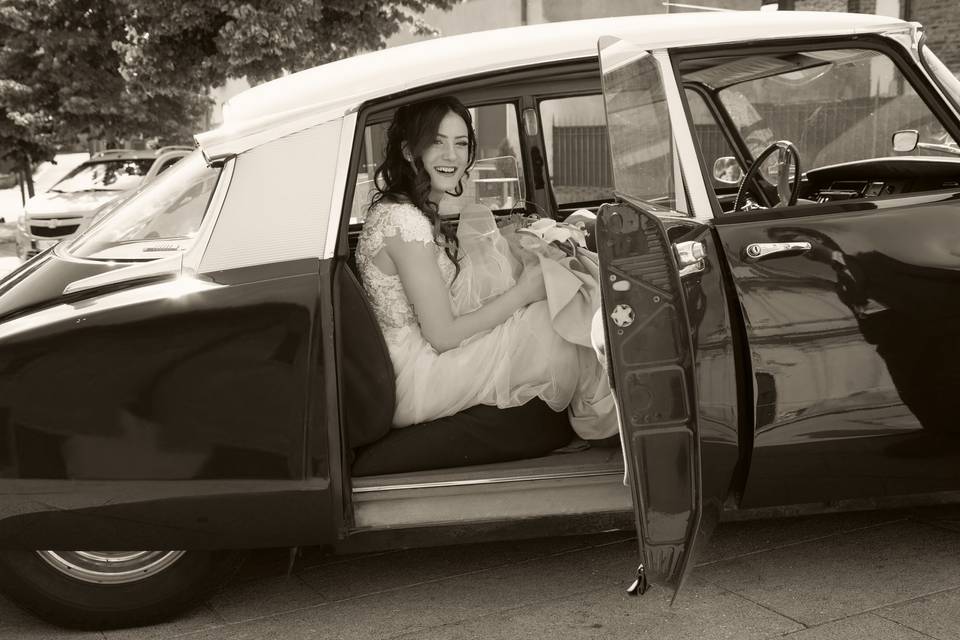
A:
[862,627]
[843,575]
[937,615]
[732,539]
[377,573]
[704,611]
[198,619]
[451,600]
[258,598]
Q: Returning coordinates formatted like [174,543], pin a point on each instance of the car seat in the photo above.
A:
[478,435]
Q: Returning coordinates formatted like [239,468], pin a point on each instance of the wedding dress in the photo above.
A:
[522,358]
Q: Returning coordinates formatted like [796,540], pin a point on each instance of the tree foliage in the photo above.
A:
[60,80]
[114,69]
[220,39]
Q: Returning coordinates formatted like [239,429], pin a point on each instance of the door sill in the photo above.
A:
[558,485]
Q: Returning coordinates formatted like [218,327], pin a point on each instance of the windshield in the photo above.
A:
[161,220]
[104,175]
[836,106]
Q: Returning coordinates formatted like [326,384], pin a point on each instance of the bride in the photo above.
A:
[502,353]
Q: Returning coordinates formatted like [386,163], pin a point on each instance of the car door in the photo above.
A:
[849,299]
[669,343]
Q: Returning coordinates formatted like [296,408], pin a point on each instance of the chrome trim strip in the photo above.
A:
[490,481]
[347,132]
[168,266]
[683,139]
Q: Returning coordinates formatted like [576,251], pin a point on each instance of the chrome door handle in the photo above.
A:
[760,250]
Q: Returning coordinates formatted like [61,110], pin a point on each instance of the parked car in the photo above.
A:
[201,372]
[71,203]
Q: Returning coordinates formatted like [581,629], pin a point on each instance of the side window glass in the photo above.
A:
[713,143]
[577,149]
[496,179]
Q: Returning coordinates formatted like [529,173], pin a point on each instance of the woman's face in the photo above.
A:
[445,158]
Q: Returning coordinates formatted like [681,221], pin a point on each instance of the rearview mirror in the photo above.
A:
[727,170]
[905,141]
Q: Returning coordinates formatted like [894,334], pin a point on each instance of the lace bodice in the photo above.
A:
[385,291]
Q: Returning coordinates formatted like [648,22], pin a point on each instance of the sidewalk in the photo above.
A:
[891,575]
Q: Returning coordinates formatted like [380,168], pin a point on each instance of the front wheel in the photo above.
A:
[111,589]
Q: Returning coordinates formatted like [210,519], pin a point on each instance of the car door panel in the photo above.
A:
[854,345]
[667,340]
[150,405]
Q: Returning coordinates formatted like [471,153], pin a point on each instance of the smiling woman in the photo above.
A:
[410,259]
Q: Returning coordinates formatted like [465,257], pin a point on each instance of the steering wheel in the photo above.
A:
[787,189]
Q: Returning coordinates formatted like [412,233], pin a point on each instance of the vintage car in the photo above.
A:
[778,229]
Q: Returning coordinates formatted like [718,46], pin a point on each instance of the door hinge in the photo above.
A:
[640,585]
[691,257]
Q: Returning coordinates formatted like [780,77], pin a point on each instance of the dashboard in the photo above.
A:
[880,177]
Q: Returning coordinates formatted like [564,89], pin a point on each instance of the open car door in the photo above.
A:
[668,341]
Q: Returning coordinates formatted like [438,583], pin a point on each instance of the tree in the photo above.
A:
[60,81]
[219,39]
[72,70]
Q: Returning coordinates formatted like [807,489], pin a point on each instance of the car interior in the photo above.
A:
[510,176]
[871,133]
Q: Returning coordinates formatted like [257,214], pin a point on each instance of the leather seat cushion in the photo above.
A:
[478,435]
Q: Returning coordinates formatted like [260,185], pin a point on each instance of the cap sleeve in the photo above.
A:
[407,221]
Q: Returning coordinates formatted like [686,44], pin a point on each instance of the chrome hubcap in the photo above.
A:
[110,567]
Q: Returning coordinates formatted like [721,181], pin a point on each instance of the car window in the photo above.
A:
[713,143]
[836,106]
[162,219]
[645,160]
[577,149]
[104,175]
[495,180]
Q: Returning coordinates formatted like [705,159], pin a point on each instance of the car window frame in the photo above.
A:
[925,88]
[581,93]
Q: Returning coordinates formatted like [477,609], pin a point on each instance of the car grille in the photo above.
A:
[56,232]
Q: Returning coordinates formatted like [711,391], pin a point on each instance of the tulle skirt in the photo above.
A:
[516,361]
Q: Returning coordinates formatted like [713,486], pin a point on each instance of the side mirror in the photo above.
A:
[727,170]
[905,141]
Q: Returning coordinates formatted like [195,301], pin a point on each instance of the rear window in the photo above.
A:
[161,220]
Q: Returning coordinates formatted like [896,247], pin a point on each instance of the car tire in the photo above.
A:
[108,590]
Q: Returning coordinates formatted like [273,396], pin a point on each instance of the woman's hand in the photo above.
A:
[530,285]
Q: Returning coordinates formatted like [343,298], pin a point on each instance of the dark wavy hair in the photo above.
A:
[415,127]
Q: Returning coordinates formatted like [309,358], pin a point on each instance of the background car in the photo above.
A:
[69,205]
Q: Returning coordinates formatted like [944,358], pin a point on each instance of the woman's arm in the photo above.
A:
[416,264]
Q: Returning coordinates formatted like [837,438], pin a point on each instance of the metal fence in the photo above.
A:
[581,156]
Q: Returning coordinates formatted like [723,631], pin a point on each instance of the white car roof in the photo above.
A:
[291,103]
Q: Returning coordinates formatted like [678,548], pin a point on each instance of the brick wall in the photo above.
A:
[862,6]
[820,5]
[940,18]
